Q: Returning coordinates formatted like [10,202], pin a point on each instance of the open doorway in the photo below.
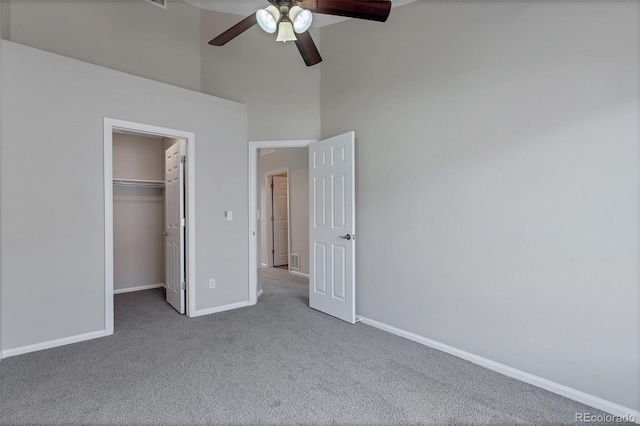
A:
[260,155]
[284,204]
[331,223]
[149,213]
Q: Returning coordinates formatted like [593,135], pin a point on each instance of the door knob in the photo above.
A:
[346,237]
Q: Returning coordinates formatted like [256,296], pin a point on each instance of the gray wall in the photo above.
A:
[138,213]
[497,180]
[53,197]
[297,160]
[131,36]
[282,94]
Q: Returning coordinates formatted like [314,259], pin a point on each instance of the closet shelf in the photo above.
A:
[139,183]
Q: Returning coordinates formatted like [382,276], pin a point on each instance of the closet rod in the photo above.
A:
[139,183]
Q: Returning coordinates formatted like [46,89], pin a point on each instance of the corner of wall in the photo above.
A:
[2,26]
[5,21]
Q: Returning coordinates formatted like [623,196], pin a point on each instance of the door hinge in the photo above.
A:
[183,221]
[183,158]
[183,285]
[273,251]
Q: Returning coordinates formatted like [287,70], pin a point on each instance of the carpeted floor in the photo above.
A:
[278,362]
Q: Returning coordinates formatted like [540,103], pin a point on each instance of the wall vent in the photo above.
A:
[295,261]
[161,3]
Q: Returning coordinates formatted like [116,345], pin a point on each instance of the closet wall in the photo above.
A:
[138,213]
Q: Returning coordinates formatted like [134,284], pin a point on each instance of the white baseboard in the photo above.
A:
[53,343]
[139,288]
[259,293]
[574,394]
[217,309]
[300,274]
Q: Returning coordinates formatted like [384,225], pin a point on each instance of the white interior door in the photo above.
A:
[332,226]
[280,221]
[175,225]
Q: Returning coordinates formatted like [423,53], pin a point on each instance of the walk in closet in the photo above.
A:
[139,211]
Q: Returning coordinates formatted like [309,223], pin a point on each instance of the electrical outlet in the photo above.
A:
[212,283]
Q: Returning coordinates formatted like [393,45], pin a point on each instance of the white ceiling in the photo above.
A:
[247,7]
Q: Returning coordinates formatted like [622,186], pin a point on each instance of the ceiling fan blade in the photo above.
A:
[308,49]
[372,10]
[235,31]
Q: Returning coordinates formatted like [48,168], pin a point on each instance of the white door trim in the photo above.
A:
[254,146]
[269,175]
[110,125]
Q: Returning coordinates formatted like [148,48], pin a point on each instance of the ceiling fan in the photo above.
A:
[292,19]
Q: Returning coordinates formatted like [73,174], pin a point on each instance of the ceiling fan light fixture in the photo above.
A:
[268,19]
[301,19]
[285,31]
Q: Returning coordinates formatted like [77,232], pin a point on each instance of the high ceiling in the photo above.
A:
[247,7]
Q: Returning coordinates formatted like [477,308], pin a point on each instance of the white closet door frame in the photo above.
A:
[110,125]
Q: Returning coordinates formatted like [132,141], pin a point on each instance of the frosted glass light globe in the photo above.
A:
[285,33]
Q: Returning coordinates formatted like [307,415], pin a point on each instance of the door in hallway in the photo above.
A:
[280,221]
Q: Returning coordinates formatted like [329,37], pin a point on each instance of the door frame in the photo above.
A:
[111,124]
[254,146]
[270,236]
